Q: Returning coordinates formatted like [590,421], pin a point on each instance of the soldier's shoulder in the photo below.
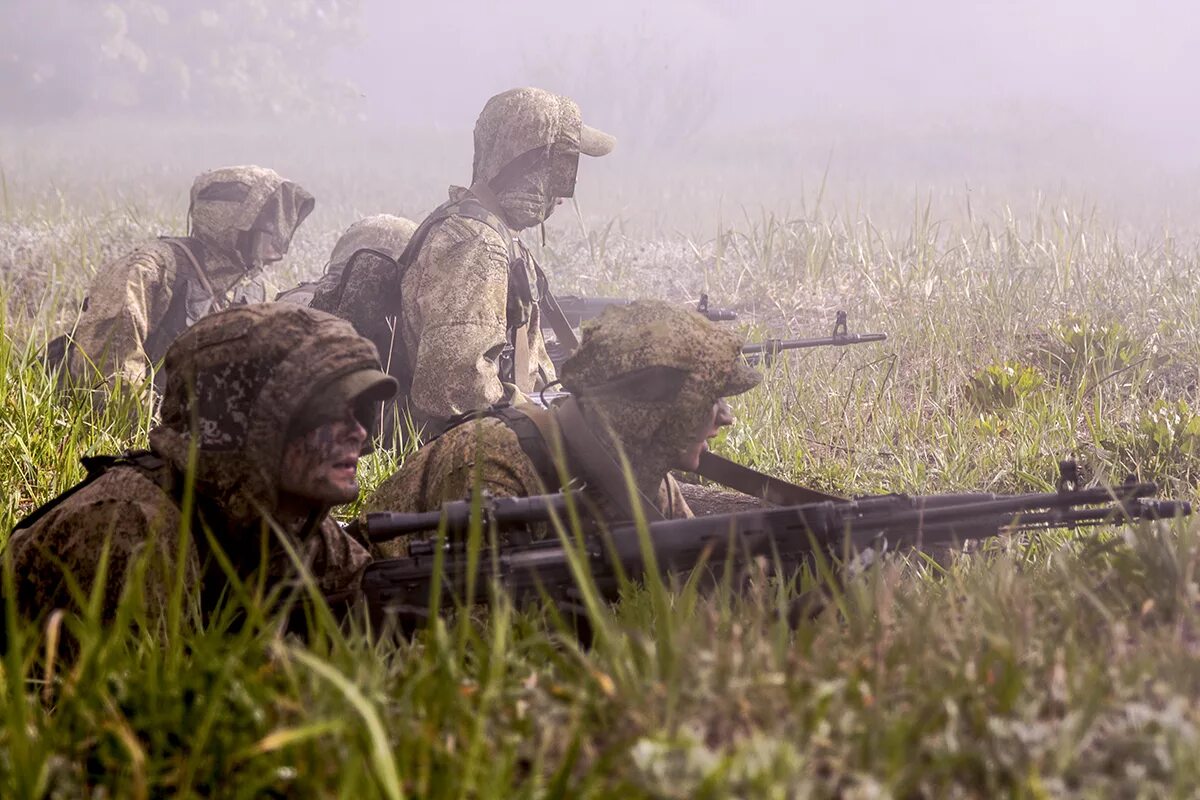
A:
[483,446]
[484,431]
[151,254]
[458,229]
[122,496]
[119,510]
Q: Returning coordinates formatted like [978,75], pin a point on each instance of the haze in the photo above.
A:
[740,102]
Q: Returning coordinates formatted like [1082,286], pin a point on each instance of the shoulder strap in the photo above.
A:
[531,427]
[145,461]
[184,245]
[466,206]
[750,481]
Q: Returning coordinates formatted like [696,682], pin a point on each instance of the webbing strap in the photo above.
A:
[531,428]
[201,275]
[144,460]
[749,481]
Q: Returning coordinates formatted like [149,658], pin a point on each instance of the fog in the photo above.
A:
[740,102]
[1131,69]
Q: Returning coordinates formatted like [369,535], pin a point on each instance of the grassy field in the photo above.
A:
[1020,333]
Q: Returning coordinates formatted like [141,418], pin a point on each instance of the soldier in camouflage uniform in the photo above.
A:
[242,218]
[276,399]
[378,236]
[461,312]
[648,381]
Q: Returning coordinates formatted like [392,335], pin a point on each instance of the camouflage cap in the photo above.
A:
[647,335]
[230,202]
[235,382]
[528,120]
[361,390]
[383,232]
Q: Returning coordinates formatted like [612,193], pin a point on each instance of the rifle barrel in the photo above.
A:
[775,346]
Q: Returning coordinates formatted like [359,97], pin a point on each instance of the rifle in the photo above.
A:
[399,590]
[768,350]
[761,352]
[578,309]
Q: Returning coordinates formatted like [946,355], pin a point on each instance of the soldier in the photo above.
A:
[275,399]
[380,235]
[461,311]
[242,218]
[648,381]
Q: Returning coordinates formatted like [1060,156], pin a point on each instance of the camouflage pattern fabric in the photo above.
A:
[484,450]
[129,299]
[644,338]
[455,299]
[528,120]
[381,233]
[232,201]
[127,302]
[243,374]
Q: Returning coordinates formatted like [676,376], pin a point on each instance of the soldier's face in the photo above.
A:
[259,250]
[720,416]
[321,466]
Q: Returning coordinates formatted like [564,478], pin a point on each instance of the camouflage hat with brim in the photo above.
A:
[646,340]
[331,401]
[743,378]
[595,142]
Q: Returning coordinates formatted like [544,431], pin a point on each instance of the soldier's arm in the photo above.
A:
[125,300]
[461,303]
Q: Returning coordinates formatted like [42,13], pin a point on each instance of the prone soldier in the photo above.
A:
[273,402]
[648,384]
[379,235]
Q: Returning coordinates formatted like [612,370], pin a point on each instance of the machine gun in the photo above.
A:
[399,590]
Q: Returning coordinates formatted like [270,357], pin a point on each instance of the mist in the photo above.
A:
[1131,69]
[739,104]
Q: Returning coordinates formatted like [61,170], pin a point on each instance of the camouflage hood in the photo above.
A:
[527,147]
[239,378]
[230,203]
[382,232]
[651,372]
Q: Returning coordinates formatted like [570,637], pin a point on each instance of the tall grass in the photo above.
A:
[1060,666]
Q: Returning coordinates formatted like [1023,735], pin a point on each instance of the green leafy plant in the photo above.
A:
[1003,386]
[1082,350]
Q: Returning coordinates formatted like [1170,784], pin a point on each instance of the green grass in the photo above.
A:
[1062,666]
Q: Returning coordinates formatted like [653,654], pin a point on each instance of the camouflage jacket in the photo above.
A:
[137,305]
[133,509]
[503,460]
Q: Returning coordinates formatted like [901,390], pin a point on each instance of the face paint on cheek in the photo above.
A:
[323,464]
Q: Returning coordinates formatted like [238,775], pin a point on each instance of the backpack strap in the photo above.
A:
[174,321]
[145,461]
[532,429]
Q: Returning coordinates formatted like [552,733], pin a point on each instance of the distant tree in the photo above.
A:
[60,57]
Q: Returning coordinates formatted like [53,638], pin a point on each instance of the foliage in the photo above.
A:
[1085,350]
[1003,386]
[978,677]
[1163,444]
[64,57]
